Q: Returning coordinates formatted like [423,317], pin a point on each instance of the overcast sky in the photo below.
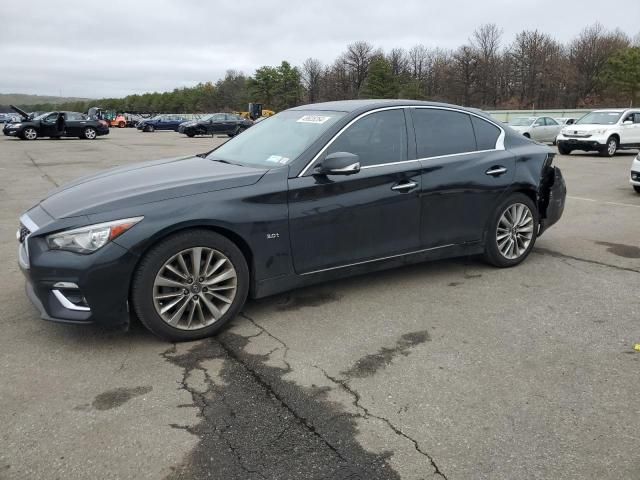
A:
[115,48]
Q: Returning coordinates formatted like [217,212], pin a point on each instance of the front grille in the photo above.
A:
[23,233]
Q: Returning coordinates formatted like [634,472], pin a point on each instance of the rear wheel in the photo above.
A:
[89,133]
[29,133]
[636,188]
[610,149]
[122,124]
[191,134]
[149,128]
[190,285]
[512,231]
[563,149]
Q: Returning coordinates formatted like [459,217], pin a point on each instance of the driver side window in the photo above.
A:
[377,138]
[539,122]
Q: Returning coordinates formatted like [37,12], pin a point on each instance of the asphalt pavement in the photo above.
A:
[451,369]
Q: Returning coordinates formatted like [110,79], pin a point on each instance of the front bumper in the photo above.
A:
[593,142]
[101,278]
[10,132]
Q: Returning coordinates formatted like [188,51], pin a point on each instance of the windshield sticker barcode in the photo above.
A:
[313,119]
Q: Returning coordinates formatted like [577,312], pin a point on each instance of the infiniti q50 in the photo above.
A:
[311,194]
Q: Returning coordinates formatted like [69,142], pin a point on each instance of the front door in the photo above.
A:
[630,134]
[49,126]
[465,171]
[339,220]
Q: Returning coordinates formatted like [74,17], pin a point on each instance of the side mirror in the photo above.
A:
[339,163]
[627,122]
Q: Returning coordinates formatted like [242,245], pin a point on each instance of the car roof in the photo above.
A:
[370,104]
[617,110]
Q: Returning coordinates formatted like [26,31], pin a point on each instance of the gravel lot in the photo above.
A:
[450,369]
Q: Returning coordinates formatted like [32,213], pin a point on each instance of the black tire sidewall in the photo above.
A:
[142,284]
[563,149]
[605,150]
[492,254]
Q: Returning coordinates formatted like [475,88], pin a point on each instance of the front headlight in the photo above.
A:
[90,238]
[564,131]
[599,132]
[15,125]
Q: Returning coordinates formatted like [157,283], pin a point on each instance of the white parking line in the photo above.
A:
[603,202]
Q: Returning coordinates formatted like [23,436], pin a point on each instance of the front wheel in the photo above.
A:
[563,149]
[190,285]
[89,133]
[512,232]
[29,133]
[149,128]
[610,148]
[191,134]
[636,188]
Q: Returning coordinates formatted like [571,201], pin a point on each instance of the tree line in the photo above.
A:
[599,67]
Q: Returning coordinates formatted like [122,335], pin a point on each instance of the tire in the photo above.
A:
[145,289]
[149,128]
[610,149]
[495,246]
[89,133]
[636,188]
[563,149]
[29,133]
[122,125]
[191,134]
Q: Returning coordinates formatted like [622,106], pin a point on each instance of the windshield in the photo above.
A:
[600,118]
[42,115]
[521,122]
[277,140]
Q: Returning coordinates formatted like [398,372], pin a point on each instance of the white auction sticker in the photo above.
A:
[278,159]
[313,119]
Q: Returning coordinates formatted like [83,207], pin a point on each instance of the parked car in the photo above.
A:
[635,173]
[603,131]
[161,122]
[565,121]
[315,193]
[216,124]
[5,117]
[46,125]
[540,129]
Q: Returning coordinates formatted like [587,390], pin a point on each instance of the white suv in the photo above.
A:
[605,131]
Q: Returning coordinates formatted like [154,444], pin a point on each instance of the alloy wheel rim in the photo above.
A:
[90,133]
[612,147]
[30,133]
[194,288]
[515,231]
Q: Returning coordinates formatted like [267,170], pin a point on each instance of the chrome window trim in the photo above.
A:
[363,262]
[499,141]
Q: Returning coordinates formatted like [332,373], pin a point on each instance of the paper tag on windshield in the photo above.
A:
[313,119]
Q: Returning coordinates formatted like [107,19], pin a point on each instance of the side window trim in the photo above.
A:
[411,131]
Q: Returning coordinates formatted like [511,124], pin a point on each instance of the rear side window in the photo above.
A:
[442,132]
[377,138]
[486,133]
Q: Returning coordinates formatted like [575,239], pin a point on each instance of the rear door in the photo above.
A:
[339,220]
[630,134]
[465,171]
[538,130]
[74,124]
[552,129]
[217,124]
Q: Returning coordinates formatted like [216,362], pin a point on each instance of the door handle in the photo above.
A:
[496,171]
[404,187]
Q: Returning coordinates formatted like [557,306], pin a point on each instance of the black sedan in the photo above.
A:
[161,122]
[55,125]
[216,124]
[311,194]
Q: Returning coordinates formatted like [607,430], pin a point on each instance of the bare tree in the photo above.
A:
[358,58]
[311,75]
[485,42]
[397,58]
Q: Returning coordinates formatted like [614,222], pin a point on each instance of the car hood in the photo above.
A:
[146,182]
[22,113]
[587,127]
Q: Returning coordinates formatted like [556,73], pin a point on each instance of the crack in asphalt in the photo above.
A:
[42,172]
[262,329]
[552,253]
[200,402]
[301,419]
[367,414]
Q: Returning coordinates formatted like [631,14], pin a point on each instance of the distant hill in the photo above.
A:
[23,99]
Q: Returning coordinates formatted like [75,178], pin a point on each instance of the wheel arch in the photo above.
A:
[226,232]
